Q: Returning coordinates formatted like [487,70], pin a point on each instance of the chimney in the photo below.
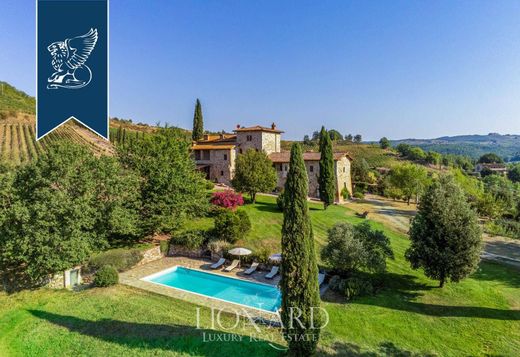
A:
[273,126]
[222,134]
[238,126]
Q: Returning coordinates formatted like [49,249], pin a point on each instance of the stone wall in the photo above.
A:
[313,170]
[243,144]
[222,166]
[343,176]
[151,255]
[178,250]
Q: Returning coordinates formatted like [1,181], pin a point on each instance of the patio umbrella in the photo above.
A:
[239,252]
[276,257]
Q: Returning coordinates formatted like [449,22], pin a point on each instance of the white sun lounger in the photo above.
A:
[321,278]
[232,266]
[218,264]
[251,269]
[273,272]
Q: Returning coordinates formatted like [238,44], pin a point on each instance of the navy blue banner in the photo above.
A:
[72,64]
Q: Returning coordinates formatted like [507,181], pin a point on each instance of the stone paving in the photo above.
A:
[133,278]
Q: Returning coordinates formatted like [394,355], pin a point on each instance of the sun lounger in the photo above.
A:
[251,269]
[218,264]
[232,266]
[272,273]
[321,278]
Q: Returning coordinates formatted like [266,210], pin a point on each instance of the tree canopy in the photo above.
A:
[171,189]
[408,180]
[254,173]
[61,208]
[490,158]
[445,235]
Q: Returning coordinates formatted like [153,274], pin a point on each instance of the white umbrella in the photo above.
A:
[239,252]
[276,257]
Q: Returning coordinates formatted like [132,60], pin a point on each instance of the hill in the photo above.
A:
[372,153]
[506,146]
[13,101]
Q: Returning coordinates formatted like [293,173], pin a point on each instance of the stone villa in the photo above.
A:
[215,156]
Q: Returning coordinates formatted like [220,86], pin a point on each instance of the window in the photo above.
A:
[225,157]
[281,167]
[240,151]
[344,169]
[205,154]
[221,173]
[285,167]
[197,154]
[311,168]
[344,185]
[249,137]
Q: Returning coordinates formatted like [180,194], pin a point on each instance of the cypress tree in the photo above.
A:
[299,283]
[326,177]
[198,123]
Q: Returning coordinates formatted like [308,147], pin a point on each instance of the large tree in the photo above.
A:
[409,179]
[326,178]
[254,173]
[299,284]
[490,158]
[384,143]
[171,188]
[57,211]
[445,235]
[198,122]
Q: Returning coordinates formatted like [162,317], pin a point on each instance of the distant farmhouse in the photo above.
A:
[215,156]
[495,168]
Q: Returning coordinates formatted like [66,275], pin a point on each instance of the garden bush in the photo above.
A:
[164,245]
[106,276]
[352,286]
[356,248]
[232,226]
[219,247]
[227,199]
[280,201]
[121,259]
[192,239]
[209,185]
[345,193]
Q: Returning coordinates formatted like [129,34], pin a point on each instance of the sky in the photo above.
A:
[399,69]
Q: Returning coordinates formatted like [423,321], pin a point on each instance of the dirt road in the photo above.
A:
[397,215]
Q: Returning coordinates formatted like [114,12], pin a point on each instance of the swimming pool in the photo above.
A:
[237,291]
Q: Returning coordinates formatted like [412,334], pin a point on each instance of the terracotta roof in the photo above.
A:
[212,147]
[494,166]
[307,156]
[258,128]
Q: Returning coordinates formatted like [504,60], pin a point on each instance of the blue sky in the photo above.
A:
[379,68]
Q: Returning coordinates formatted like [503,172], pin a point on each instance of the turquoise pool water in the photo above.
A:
[258,296]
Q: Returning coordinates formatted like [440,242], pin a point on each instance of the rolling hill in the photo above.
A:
[506,146]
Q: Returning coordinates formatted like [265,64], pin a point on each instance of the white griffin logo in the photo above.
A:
[68,61]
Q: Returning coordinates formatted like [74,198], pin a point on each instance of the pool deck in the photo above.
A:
[133,278]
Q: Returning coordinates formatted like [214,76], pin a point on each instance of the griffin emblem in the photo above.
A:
[68,61]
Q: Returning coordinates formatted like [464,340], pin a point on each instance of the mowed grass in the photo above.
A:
[119,321]
[410,317]
[478,316]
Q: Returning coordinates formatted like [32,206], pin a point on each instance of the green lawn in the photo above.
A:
[480,316]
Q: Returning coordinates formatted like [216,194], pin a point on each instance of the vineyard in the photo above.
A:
[19,145]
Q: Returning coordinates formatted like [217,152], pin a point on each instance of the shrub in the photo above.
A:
[345,193]
[227,199]
[192,239]
[261,255]
[106,276]
[280,201]
[351,287]
[120,259]
[209,185]
[359,195]
[232,226]
[219,246]
[164,245]
[356,248]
